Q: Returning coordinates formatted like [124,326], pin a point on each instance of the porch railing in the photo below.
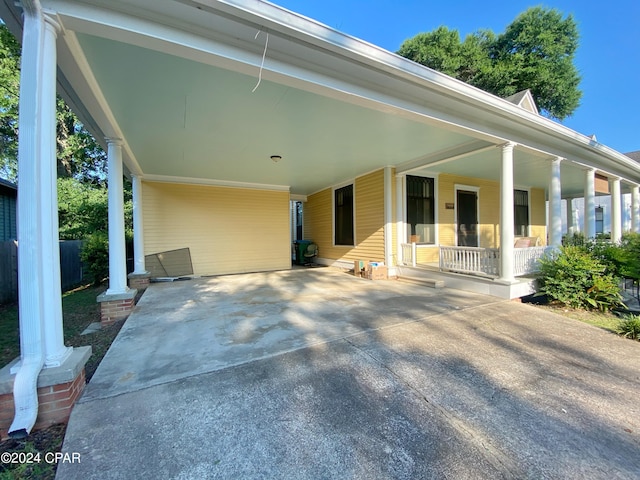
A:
[486,261]
[409,255]
[474,260]
[525,260]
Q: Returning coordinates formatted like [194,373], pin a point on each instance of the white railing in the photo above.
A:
[478,261]
[486,261]
[409,256]
[525,260]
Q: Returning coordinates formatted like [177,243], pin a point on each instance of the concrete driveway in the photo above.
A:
[312,374]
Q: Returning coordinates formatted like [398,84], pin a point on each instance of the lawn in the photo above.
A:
[80,309]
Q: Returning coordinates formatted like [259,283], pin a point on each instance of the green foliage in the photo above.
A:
[629,327]
[79,155]
[535,52]
[95,253]
[630,245]
[82,209]
[574,277]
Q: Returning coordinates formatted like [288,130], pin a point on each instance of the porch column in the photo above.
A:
[400,229]
[138,234]
[388,217]
[570,218]
[39,291]
[589,203]
[507,235]
[555,204]
[117,250]
[635,209]
[616,210]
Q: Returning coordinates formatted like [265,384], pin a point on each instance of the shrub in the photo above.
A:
[577,279]
[629,327]
[95,253]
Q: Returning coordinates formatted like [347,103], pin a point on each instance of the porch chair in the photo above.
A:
[310,252]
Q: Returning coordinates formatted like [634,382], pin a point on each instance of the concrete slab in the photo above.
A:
[437,384]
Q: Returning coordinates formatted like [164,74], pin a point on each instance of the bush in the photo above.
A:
[577,279]
[95,253]
[629,327]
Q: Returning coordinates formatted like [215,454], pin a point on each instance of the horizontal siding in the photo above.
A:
[538,219]
[228,230]
[369,221]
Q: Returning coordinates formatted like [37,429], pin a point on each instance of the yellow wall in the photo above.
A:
[228,230]
[489,207]
[369,221]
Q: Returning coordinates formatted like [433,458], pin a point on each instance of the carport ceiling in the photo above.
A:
[182,118]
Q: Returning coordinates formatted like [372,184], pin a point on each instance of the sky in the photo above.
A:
[608,57]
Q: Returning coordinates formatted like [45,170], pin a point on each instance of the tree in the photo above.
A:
[535,52]
[78,154]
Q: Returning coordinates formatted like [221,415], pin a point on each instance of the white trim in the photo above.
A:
[298,198]
[213,182]
[468,188]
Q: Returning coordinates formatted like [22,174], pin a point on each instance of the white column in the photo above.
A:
[117,251]
[570,218]
[507,235]
[590,203]
[616,210]
[400,228]
[635,209]
[388,217]
[138,234]
[555,204]
[54,348]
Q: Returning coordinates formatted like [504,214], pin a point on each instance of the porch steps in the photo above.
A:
[423,282]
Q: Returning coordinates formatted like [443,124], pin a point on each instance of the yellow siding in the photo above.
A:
[369,221]
[538,220]
[228,230]
[427,255]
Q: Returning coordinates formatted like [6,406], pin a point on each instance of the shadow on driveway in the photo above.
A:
[316,374]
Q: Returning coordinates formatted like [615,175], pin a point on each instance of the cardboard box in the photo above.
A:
[360,268]
[377,272]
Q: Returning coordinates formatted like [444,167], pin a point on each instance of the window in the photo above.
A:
[599,219]
[521,213]
[421,201]
[343,210]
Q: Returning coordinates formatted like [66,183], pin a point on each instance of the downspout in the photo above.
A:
[30,235]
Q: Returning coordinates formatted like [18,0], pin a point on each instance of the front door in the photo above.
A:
[467,206]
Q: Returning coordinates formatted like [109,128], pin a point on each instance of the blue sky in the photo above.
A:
[608,57]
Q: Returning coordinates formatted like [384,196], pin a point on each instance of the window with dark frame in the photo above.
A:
[343,204]
[421,200]
[521,212]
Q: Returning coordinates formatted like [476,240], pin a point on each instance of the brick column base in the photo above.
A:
[139,281]
[116,307]
[58,390]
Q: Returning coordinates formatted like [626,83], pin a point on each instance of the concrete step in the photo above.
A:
[424,282]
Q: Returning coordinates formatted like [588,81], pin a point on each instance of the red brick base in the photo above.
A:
[140,283]
[54,404]
[114,310]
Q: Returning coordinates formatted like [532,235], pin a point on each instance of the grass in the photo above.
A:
[79,310]
[607,321]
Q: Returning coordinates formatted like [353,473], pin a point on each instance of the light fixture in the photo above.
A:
[276,158]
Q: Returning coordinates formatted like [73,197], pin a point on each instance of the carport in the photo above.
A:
[317,374]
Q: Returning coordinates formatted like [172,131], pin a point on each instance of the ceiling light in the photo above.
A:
[276,158]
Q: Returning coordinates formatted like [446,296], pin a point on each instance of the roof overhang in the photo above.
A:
[207,91]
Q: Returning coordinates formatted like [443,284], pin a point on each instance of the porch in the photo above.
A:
[475,269]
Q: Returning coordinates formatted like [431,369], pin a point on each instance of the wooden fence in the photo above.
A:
[71,268]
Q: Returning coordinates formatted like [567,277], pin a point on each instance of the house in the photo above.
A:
[8,224]
[222,113]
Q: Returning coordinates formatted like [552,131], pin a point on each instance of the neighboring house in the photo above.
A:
[223,113]
[8,215]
